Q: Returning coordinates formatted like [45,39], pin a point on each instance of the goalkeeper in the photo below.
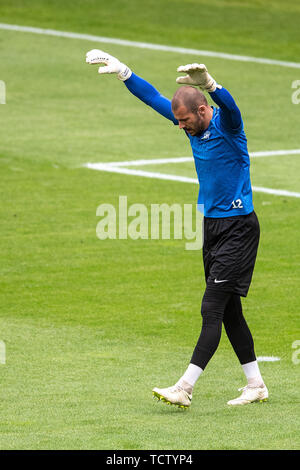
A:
[231,227]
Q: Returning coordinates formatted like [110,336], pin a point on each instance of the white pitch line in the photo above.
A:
[267,358]
[162,161]
[277,192]
[146,174]
[182,179]
[155,161]
[275,153]
[145,45]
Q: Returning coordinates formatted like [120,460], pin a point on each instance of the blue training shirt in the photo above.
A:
[220,152]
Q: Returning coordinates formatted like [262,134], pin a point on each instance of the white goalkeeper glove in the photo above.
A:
[197,75]
[112,65]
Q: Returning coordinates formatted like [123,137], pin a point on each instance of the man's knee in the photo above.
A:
[213,306]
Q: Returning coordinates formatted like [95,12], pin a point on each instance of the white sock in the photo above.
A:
[190,377]
[252,373]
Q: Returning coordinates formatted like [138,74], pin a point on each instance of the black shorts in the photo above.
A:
[229,252]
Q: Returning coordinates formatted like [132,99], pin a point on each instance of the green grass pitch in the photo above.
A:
[90,326]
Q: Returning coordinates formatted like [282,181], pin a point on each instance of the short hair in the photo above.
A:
[190,97]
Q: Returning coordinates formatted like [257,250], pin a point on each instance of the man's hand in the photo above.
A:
[112,65]
[197,75]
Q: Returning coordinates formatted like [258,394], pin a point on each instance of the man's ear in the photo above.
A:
[201,110]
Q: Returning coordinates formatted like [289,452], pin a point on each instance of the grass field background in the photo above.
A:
[91,326]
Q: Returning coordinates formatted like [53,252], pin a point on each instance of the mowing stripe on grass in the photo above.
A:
[145,45]
[182,179]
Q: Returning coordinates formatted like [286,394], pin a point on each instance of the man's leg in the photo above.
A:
[212,310]
[229,253]
[238,331]
[242,342]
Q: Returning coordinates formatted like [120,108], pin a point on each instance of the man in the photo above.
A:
[231,228]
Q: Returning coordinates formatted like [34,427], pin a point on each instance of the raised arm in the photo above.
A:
[136,85]
[149,95]
[230,115]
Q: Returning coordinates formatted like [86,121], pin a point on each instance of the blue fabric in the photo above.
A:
[220,152]
[223,167]
[149,95]
[230,115]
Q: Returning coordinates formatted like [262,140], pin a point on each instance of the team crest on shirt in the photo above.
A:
[206,135]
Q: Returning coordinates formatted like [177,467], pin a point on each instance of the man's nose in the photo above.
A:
[181,125]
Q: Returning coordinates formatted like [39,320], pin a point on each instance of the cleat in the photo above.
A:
[250,395]
[173,396]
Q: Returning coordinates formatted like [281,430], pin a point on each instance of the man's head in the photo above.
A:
[191,109]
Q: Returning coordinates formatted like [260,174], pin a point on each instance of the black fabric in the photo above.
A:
[212,311]
[217,307]
[229,252]
[238,331]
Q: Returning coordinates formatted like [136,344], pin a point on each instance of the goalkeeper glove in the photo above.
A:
[112,65]
[197,75]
